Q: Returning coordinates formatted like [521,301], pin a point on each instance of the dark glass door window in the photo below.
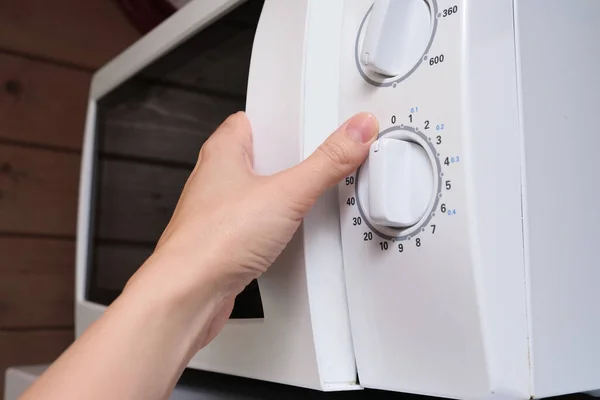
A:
[149,131]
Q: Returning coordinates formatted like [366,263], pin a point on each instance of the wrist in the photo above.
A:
[184,298]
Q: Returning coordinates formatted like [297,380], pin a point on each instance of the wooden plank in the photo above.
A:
[136,200]
[86,33]
[37,282]
[38,191]
[42,103]
[31,347]
[159,122]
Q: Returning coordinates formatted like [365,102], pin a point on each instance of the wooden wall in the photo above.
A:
[48,53]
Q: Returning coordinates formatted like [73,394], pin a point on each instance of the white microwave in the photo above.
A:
[459,261]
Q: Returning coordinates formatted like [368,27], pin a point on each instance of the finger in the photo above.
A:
[232,141]
[237,128]
[340,155]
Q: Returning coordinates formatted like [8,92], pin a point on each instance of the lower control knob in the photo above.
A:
[400,182]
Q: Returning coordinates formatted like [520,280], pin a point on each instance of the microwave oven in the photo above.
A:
[460,260]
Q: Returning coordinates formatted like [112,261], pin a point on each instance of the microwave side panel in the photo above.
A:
[558,57]
[493,161]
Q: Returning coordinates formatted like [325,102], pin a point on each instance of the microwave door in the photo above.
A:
[304,338]
[150,111]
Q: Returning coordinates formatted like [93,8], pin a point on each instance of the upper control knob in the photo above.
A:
[396,37]
[400,181]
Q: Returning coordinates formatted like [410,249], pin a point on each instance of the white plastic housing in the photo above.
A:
[400,179]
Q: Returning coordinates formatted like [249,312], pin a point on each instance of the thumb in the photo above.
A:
[340,155]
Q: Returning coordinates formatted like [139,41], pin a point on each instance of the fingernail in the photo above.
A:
[362,128]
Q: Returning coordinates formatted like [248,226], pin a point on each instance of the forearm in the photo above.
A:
[229,226]
[137,350]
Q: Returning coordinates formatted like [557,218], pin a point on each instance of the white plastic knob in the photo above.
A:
[396,37]
[400,182]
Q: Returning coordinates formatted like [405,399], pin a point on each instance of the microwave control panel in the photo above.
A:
[404,212]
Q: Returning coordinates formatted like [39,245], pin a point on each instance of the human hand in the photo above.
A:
[228,228]
[231,224]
